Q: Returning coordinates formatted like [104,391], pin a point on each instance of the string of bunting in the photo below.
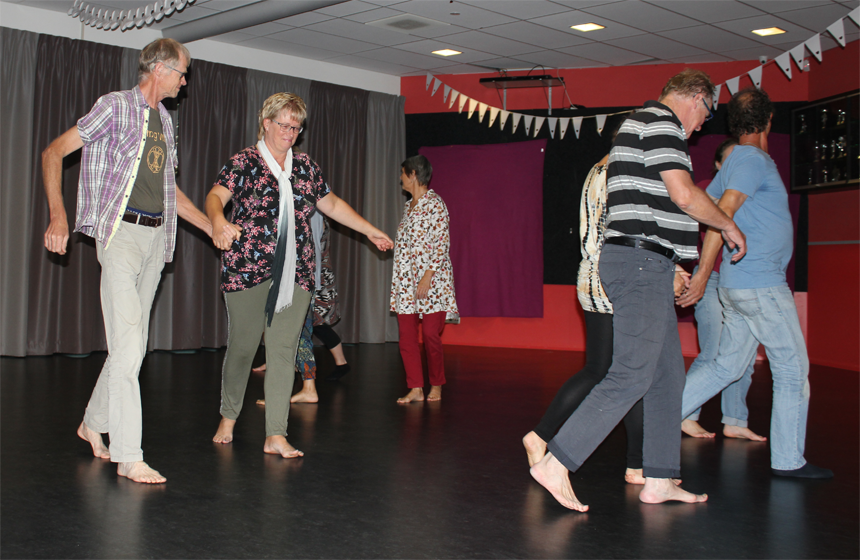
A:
[532,124]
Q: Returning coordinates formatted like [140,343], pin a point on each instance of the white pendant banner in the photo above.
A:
[503,118]
[527,123]
[454,94]
[429,79]
[732,85]
[538,125]
[516,122]
[463,100]
[837,30]
[717,91]
[755,76]
[494,112]
[577,124]
[855,15]
[784,63]
[563,127]
[601,121]
[552,122]
[482,110]
[797,53]
[473,103]
[436,85]
[445,93]
[814,46]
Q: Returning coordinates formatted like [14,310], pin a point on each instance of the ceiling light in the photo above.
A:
[447,52]
[769,31]
[587,27]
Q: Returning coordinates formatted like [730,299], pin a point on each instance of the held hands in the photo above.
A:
[381,240]
[224,236]
[736,238]
[694,292]
[57,235]
[682,281]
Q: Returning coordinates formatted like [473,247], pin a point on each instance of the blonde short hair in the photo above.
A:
[279,102]
[689,83]
[160,50]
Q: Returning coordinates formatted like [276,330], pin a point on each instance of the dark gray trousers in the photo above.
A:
[647,364]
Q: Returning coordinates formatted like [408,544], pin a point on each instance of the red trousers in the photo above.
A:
[432,325]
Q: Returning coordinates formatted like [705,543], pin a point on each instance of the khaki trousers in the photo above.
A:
[246,323]
[131,271]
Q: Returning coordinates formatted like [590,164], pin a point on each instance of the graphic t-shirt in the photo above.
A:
[148,192]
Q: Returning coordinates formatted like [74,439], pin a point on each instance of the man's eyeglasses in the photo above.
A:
[710,111]
[183,74]
[288,128]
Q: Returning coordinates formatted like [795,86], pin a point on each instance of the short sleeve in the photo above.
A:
[320,187]
[744,171]
[664,147]
[97,123]
[228,177]
[716,187]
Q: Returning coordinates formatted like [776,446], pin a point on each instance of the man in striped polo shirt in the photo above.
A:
[653,208]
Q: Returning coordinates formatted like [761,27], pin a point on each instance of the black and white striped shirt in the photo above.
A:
[638,205]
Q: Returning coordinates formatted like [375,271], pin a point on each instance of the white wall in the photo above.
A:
[56,23]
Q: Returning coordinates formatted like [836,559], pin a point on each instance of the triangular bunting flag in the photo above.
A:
[577,124]
[601,121]
[838,32]
[563,127]
[454,94]
[538,125]
[717,91]
[472,104]
[516,122]
[494,112]
[429,79]
[755,76]
[784,63]
[552,121]
[503,118]
[797,53]
[814,46]
[463,100]
[527,123]
[436,85]
[732,85]
[445,93]
[482,110]
[855,15]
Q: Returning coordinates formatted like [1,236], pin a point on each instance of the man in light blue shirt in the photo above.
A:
[758,305]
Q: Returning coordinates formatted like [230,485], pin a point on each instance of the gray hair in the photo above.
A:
[160,50]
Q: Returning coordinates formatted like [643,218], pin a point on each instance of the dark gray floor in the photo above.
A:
[430,480]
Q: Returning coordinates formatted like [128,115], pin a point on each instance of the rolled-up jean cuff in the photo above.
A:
[563,457]
[729,421]
[660,472]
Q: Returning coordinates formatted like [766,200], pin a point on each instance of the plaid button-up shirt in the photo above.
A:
[114,137]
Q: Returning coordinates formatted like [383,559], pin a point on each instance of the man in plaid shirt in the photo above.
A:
[128,201]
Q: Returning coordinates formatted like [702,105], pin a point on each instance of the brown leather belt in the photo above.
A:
[142,220]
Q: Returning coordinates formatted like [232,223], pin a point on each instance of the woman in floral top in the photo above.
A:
[422,286]
[268,260]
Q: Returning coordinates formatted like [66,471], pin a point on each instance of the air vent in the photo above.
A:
[407,23]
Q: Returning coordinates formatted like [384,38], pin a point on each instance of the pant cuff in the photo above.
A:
[729,421]
[660,472]
[127,458]
[563,457]
[694,417]
[102,429]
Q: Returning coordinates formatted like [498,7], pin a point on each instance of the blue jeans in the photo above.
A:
[767,316]
[709,324]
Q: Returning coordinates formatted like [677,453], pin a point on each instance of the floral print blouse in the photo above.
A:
[256,202]
[422,244]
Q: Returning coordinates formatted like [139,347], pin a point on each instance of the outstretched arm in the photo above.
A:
[223,233]
[57,234]
[188,212]
[338,210]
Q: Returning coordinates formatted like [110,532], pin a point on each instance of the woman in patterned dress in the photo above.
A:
[268,260]
[422,285]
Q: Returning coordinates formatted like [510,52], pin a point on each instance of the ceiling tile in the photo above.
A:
[701,58]
[232,37]
[562,22]
[492,64]
[346,8]
[373,15]
[357,61]
[427,46]
[220,5]
[777,6]
[431,32]
[641,15]
[605,53]
[292,49]
[265,29]
[554,59]
[579,4]
[492,44]
[301,20]
[708,12]
[744,27]
[520,9]
[405,58]
[325,41]
[818,18]
[360,32]
[753,53]
[527,32]
[468,16]
[709,38]
[656,46]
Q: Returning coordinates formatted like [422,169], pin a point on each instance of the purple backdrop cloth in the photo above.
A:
[494,195]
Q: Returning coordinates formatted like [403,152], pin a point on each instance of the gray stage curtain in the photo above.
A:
[260,86]
[383,204]
[336,139]
[63,305]
[189,310]
[18,77]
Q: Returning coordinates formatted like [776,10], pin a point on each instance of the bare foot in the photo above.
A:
[95,440]
[139,471]
[435,393]
[308,394]
[259,369]
[693,429]
[225,431]
[552,475]
[535,447]
[741,433]
[635,476]
[416,394]
[659,490]
[278,445]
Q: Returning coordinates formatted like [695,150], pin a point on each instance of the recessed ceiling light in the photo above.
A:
[587,27]
[769,31]
[447,52]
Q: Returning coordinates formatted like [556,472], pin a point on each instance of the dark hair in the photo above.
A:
[421,166]
[719,155]
[689,83]
[749,112]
